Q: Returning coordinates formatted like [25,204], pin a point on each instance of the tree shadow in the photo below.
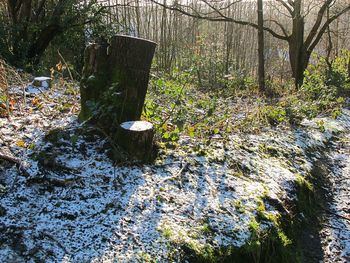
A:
[76,205]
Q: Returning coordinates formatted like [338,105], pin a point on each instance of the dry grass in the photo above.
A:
[9,77]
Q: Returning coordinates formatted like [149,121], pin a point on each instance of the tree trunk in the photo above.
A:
[297,52]
[39,45]
[114,81]
[136,138]
[261,59]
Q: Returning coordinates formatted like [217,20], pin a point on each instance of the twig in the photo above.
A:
[19,166]
[11,159]
[115,147]
[51,237]
[334,213]
[54,181]
[64,61]
[178,174]
[330,226]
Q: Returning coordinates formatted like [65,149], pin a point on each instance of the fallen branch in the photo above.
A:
[15,160]
[334,213]
[330,226]
[59,244]
[9,158]
[178,174]
[52,181]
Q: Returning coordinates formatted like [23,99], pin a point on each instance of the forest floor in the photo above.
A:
[63,200]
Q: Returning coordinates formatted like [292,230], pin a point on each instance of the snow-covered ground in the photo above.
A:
[74,205]
[335,230]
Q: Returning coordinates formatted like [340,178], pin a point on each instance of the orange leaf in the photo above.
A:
[21,143]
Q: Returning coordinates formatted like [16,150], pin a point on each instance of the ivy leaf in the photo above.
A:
[166,135]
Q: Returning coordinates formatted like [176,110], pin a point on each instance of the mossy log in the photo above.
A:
[136,138]
[114,81]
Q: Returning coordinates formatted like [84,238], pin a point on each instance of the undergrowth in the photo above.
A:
[177,106]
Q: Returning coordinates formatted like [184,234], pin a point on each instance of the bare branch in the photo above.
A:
[285,4]
[317,23]
[40,9]
[279,25]
[220,18]
[325,26]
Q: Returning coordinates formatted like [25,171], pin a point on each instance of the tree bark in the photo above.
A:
[136,138]
[39,45]
[115,79]
[298,54]
[261,58]
[130,63]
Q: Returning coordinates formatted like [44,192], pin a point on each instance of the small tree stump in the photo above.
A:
[136,138]
[44,82]
[39,85]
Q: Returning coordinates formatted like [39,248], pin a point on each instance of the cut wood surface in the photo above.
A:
[136,138]
[44,82]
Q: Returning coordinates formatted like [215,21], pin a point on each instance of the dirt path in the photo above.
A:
[335,229]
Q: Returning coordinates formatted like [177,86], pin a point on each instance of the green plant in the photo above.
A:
[167,232]
[176,107]
[274,114]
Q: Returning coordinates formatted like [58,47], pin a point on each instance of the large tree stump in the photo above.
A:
[115,79]
[136,138]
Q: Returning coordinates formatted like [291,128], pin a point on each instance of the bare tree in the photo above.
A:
[300,44]
[261,59]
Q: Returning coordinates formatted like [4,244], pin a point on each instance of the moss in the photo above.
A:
[55,135]
[206,230]
[239,206]
[273,238]
[273,151]
[146,258]
[266,244]
[306,196]
[167,232]
[303,183]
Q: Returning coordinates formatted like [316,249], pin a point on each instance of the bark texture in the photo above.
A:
[115,79]
[261,58]
[136,138]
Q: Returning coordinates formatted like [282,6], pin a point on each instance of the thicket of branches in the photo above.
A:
[211,39]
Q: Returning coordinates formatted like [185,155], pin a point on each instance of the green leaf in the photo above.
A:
[166,135]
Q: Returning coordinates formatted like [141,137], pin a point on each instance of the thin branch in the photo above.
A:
[317,23]
[9,158]
[325,26]
[285,4]
[220,19]
[291,3]
[279,25]
[40,9]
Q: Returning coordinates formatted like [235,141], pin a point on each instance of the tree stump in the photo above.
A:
[136,138]
[44,82]
[115,79]
[39,85]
